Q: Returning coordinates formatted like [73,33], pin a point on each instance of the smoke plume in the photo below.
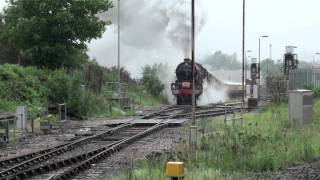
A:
[152,31]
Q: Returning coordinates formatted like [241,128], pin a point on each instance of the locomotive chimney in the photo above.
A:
[187,59]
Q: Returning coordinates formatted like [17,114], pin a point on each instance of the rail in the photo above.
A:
[37,157]
[31,164]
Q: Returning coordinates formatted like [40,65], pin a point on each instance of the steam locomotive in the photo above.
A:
[182,87]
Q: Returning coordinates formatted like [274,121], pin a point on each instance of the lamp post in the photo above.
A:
[314,57]
[243,47]
[119,73]
[193,127]
[265,36]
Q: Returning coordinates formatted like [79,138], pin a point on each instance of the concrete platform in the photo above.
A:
[148,122]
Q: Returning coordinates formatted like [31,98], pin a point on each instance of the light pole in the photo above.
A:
[243,47]
[314,57]
[265,36]
[246,62]
[193,127]
[119,73]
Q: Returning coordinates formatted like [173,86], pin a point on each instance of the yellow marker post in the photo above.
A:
[175,170]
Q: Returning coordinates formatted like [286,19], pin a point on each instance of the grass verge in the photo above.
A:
[265,143]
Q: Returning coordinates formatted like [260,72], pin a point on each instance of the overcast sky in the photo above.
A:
[287,22]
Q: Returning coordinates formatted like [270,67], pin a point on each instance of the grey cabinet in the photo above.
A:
[300,107]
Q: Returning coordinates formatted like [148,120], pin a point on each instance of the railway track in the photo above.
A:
[68,159]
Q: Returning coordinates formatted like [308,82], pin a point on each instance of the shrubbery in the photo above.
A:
[39,88]
[151,81]
[84,94]
[20,85]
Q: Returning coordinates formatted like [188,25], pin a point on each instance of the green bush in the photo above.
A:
[151,81]
[37,88]
[21,86]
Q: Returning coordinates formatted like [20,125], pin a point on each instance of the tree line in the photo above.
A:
[50,34]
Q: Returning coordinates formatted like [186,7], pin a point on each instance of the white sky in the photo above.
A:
[287,22]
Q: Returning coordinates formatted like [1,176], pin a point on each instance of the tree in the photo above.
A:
[219,60]
[53,33]
[271,68]
[150,79]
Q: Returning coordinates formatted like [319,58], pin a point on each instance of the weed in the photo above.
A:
[265,142]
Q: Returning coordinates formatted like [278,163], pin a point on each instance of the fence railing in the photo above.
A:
[233,112]
[302,78]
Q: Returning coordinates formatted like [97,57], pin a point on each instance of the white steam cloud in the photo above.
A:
[211,94]
[166,77]
[152,31]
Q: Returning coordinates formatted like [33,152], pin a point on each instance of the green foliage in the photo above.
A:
[53,34]
[37,88]
[140,96]
[271,68]
[219,60]
[265,142]
[22,85]
[60,85]
[316,90]
[7,106]
[151,81]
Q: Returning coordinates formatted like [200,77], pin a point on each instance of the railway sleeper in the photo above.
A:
[108,152]
[101,153]
[56,165]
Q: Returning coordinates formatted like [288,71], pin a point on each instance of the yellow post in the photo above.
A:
[175,170]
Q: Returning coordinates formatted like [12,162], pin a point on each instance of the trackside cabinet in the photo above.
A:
[300,107]
[175,170]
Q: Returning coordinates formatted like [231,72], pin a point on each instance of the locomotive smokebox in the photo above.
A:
[187,59]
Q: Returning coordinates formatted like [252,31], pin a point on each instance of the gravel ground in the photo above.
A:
[309,171]
[35,142]
[163,141]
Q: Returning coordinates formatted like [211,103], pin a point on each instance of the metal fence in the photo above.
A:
[117,90]
[236,110]
[304,78]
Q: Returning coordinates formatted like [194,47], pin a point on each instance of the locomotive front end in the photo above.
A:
[182,88]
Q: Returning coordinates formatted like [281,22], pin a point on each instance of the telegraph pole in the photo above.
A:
[243,48]
[119,73]
[193,128]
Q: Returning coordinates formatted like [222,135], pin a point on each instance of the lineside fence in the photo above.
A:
[233,112]
[304,78]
